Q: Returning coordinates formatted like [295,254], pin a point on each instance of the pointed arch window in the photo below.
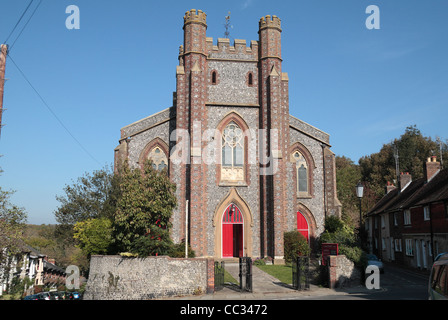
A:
[214,77]
[232,150]
[158,159]
[302,174]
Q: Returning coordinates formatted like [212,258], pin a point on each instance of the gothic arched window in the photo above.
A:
[158,159]
[232,166]
[302,174]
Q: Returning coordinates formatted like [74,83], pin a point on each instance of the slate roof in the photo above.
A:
[417,193]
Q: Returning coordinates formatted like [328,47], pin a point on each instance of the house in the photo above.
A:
[409,225]
[245,170]
[30,263]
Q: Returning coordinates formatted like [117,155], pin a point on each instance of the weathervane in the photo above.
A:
[228,26]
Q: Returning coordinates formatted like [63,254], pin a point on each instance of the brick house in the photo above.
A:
[409,225]
[246,170]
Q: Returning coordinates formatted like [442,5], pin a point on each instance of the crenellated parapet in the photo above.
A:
[195,16]
[270,22]
[239,50]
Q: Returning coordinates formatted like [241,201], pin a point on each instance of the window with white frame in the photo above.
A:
[426,213]
[407,217]
[232,168]
[409,249]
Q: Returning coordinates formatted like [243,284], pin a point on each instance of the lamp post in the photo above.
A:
[359,194]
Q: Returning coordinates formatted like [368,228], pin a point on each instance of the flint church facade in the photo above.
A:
[246,171]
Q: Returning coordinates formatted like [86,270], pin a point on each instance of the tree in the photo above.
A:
[92,196]
[147,199]
[93,236]
[348,175]
[413,149]
[12,225]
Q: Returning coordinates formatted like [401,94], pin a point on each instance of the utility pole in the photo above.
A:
[3,54]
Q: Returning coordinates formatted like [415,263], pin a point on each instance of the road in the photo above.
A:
[396,283]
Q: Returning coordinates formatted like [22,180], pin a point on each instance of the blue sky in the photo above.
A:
[363,87]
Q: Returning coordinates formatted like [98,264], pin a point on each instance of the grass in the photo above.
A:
[228,278]
[281,272]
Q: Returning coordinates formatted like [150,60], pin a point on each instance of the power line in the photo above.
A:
[20,19]
[29,19]
[52,112]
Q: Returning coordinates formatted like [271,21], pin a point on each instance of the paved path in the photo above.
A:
[265,287]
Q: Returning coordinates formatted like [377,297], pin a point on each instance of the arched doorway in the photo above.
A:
[302,226]
[232,232]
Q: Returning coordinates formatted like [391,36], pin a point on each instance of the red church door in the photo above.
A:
[232,232]
[302,225]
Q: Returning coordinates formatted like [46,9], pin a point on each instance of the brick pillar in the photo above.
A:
[332,268]
[210,276]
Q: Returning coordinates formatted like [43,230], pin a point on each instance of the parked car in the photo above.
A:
[68,295]
[32,297]
[54,295]
[76,296]
[438,279]
[372,260]
[44,296]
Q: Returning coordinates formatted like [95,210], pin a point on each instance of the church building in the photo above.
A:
[246,171]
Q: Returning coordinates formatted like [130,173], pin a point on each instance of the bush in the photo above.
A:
[295,245]
[336,231]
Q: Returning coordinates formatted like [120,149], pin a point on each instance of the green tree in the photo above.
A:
[348,175]
[412,147]
[12,225]
[147,199]
[91,196]
[93,236]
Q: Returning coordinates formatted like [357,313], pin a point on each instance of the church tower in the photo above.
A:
[191,120]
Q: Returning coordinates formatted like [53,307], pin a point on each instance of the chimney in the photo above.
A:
[389,187]
[431,168]
[405,179]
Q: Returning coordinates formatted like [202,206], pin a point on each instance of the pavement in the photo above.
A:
[266,287]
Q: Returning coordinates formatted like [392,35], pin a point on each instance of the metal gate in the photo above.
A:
[301,273]
[219,275]
[245,274]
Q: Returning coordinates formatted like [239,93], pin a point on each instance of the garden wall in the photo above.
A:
[122,278]
[342,272]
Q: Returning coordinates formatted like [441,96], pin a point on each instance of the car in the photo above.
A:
[438,278]
[32,297]
[76,296]
[68,295]
[44,296]
[372,260]
[54,295]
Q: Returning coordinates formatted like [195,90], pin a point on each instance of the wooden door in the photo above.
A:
[232,232]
